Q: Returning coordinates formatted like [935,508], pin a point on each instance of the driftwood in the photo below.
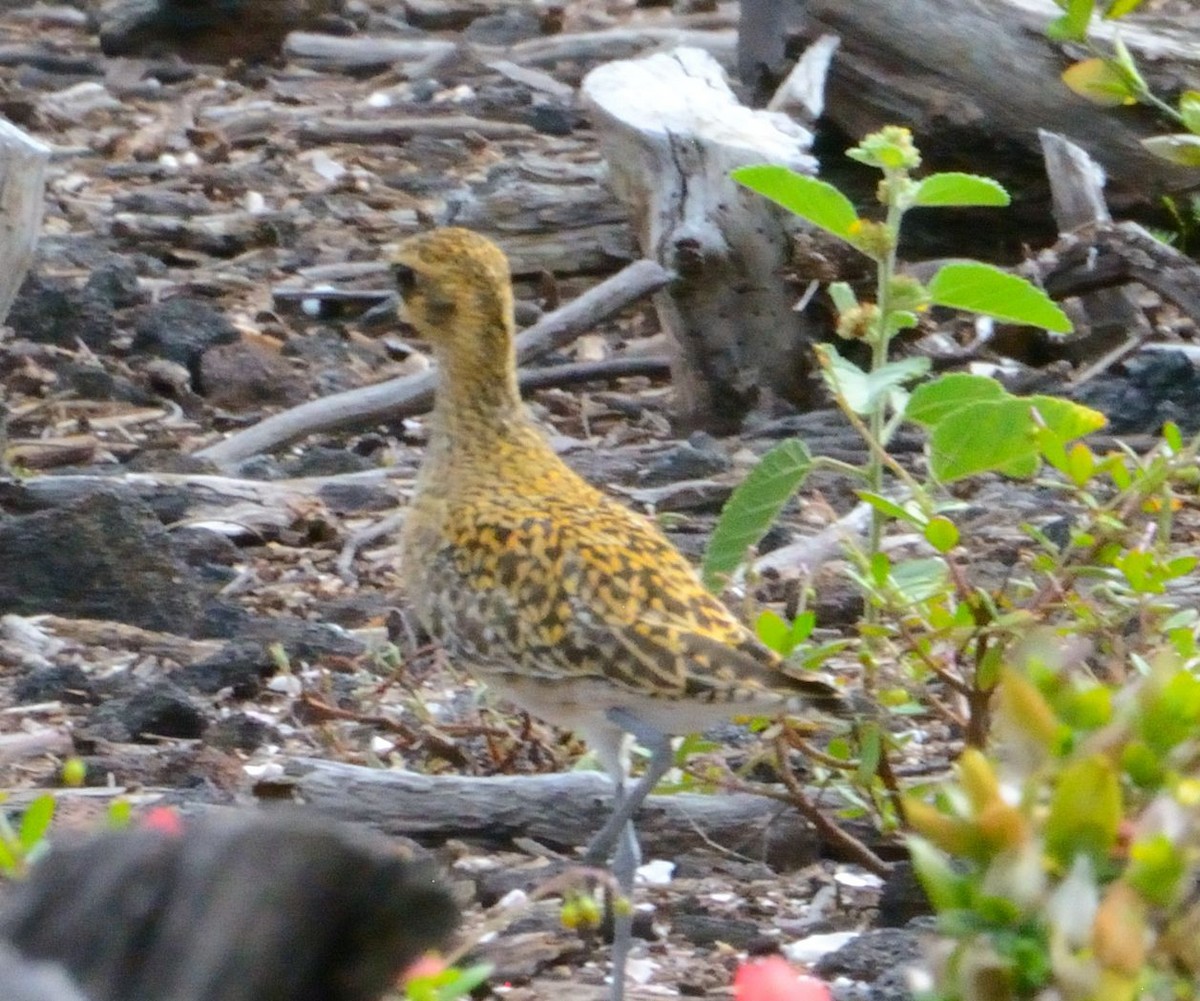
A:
[1115,325]
[671,131]
[229,908]
[563,811]
[396,131]
[901,62]
[412,394]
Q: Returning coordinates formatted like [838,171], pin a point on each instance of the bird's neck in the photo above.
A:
[478,399]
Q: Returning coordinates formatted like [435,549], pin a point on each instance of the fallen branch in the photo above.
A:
[563,810]
[414,394]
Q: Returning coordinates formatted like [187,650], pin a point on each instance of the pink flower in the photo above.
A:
[164,819]
[772,979]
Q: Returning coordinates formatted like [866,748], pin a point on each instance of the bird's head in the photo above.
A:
[455,289]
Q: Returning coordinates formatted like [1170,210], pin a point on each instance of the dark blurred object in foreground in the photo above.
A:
[234,908]
[207,31]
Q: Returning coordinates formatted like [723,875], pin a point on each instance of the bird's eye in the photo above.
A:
[406,278]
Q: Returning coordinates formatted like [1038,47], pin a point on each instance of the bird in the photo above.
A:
[559,598]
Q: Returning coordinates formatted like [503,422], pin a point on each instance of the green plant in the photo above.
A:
[876,399]
[1065,867]
[23,843]
[1111,77]
[935,637]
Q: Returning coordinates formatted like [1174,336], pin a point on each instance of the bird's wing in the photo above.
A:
[603,595]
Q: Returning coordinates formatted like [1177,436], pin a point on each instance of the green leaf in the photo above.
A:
[1067,419]
[753,507]
[1100,82]
[920,579]
[864,391]
[870,750]
[1156,869]
[1073,25]
[890,508]
[1182,148]
[1085,811]
[985,289]
[815,201]
[957,189]
[773,631]
[843,296]
[1119,8]
[1189,109]
[981,437]
[941,533]
[931,401]
[36,822]
[10,863]
[1002,435]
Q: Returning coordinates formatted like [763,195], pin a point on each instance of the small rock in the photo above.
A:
[103,557]
[246,376]
[506,28]
[903,898]
[65,683]
[116,282]
[181,330]
[698,458]
[242,666]
[52,310]
[322,461]
[553,119]
[198,547]
[239,732]
[869,955]
[159,709]
[206,31]
[707,929]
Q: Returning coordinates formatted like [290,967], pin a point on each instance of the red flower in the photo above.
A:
[164,819]
[772,979]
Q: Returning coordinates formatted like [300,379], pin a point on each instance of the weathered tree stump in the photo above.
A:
[672,130]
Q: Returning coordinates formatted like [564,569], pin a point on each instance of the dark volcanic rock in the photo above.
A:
[116,282]
[878,958]
[241,666]
[181,329]
[55,311]
[66,683]
[206,31]
[102,557]
[159,709]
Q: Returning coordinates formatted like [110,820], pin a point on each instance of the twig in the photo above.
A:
[833,834]
[413,394]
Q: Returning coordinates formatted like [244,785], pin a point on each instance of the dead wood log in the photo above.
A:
[412,394]
[672,130]
[1108,256]
[397,131]
[977,78]
[586,48]
[1114,323]
[363,52]
[563,810]
[23,161]
[247,907]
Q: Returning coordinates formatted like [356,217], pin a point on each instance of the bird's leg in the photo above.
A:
[626,804]
[626,859]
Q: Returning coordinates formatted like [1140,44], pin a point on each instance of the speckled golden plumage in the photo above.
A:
[556,594]
[573,606]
